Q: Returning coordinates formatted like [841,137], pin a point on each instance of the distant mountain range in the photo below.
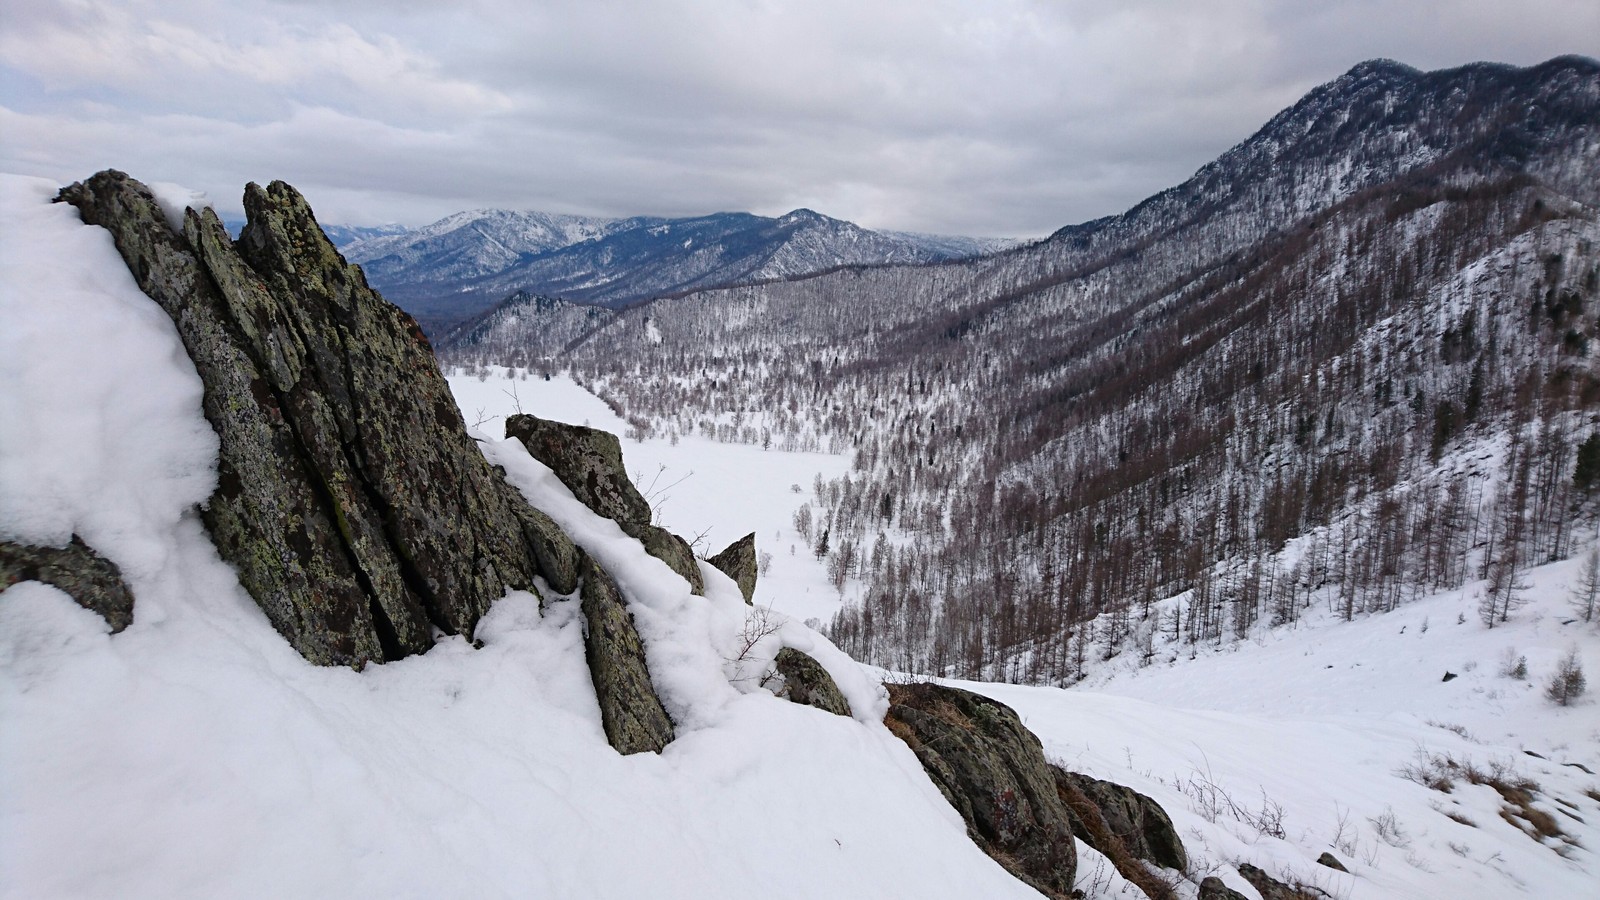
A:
[449,271]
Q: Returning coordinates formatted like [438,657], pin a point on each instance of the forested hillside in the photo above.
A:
[1347,362]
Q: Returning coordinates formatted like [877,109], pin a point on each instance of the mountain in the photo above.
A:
[451,270]
[1351,360]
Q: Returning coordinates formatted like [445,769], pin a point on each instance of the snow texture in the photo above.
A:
[196,755]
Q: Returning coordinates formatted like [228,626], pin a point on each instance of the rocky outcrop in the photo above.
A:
[89,578]
[630,711]
[357,511]
[993,770]
[1138,823]
[589,462]
[806,681]
[738,562]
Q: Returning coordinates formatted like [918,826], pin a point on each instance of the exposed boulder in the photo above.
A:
[589,462]
[1138,822]
[1272,889]
[738,562]
[1331,861]
[993,771]
[1212,888]
[350,499]
[630,711]
[89,578]
[806,681]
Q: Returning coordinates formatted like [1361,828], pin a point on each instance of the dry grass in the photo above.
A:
[1111,846]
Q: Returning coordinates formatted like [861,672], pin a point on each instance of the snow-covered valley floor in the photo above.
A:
[196,755]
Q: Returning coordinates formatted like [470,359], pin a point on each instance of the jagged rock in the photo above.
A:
[557,557]
[350,499]
[993,771]
[630,710]
[589,462]
[1137,821]
[1271,888]
[1331,861]
[738,562]
[1212,888]
[89,578]
[806,681]
[670,549]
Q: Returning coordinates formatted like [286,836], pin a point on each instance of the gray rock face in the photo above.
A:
[630,711]
[806,681]
[1137,821]
[738,562]
[993,770]
[589,462]
[354,506]
[89,578]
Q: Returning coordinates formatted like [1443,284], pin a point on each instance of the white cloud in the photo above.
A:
[1008,117]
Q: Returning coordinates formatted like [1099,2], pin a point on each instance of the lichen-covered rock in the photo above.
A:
[589,462]
[993,770]
[670,549]
[738,562]
[630,711]
[89,578]
[806,681]
[557,557]
[1137,821]
[350,499]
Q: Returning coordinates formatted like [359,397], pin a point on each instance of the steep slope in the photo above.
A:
[1321,333]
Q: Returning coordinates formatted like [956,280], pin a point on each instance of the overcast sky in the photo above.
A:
[987,117]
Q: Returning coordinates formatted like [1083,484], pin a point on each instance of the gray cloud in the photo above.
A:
[1008,118]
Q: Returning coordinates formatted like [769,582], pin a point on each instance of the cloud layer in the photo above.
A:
[999,118]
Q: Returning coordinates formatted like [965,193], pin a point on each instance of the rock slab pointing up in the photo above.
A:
[356,509]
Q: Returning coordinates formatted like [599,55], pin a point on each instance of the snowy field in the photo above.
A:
[196,755]
[1279,749]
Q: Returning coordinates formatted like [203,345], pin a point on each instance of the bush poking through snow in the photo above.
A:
[1568,683]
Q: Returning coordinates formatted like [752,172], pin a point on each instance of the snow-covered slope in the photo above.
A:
[196,755]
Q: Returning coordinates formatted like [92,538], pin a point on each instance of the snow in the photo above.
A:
[1321,720]
[196,755]
[174,199]
[698,486]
